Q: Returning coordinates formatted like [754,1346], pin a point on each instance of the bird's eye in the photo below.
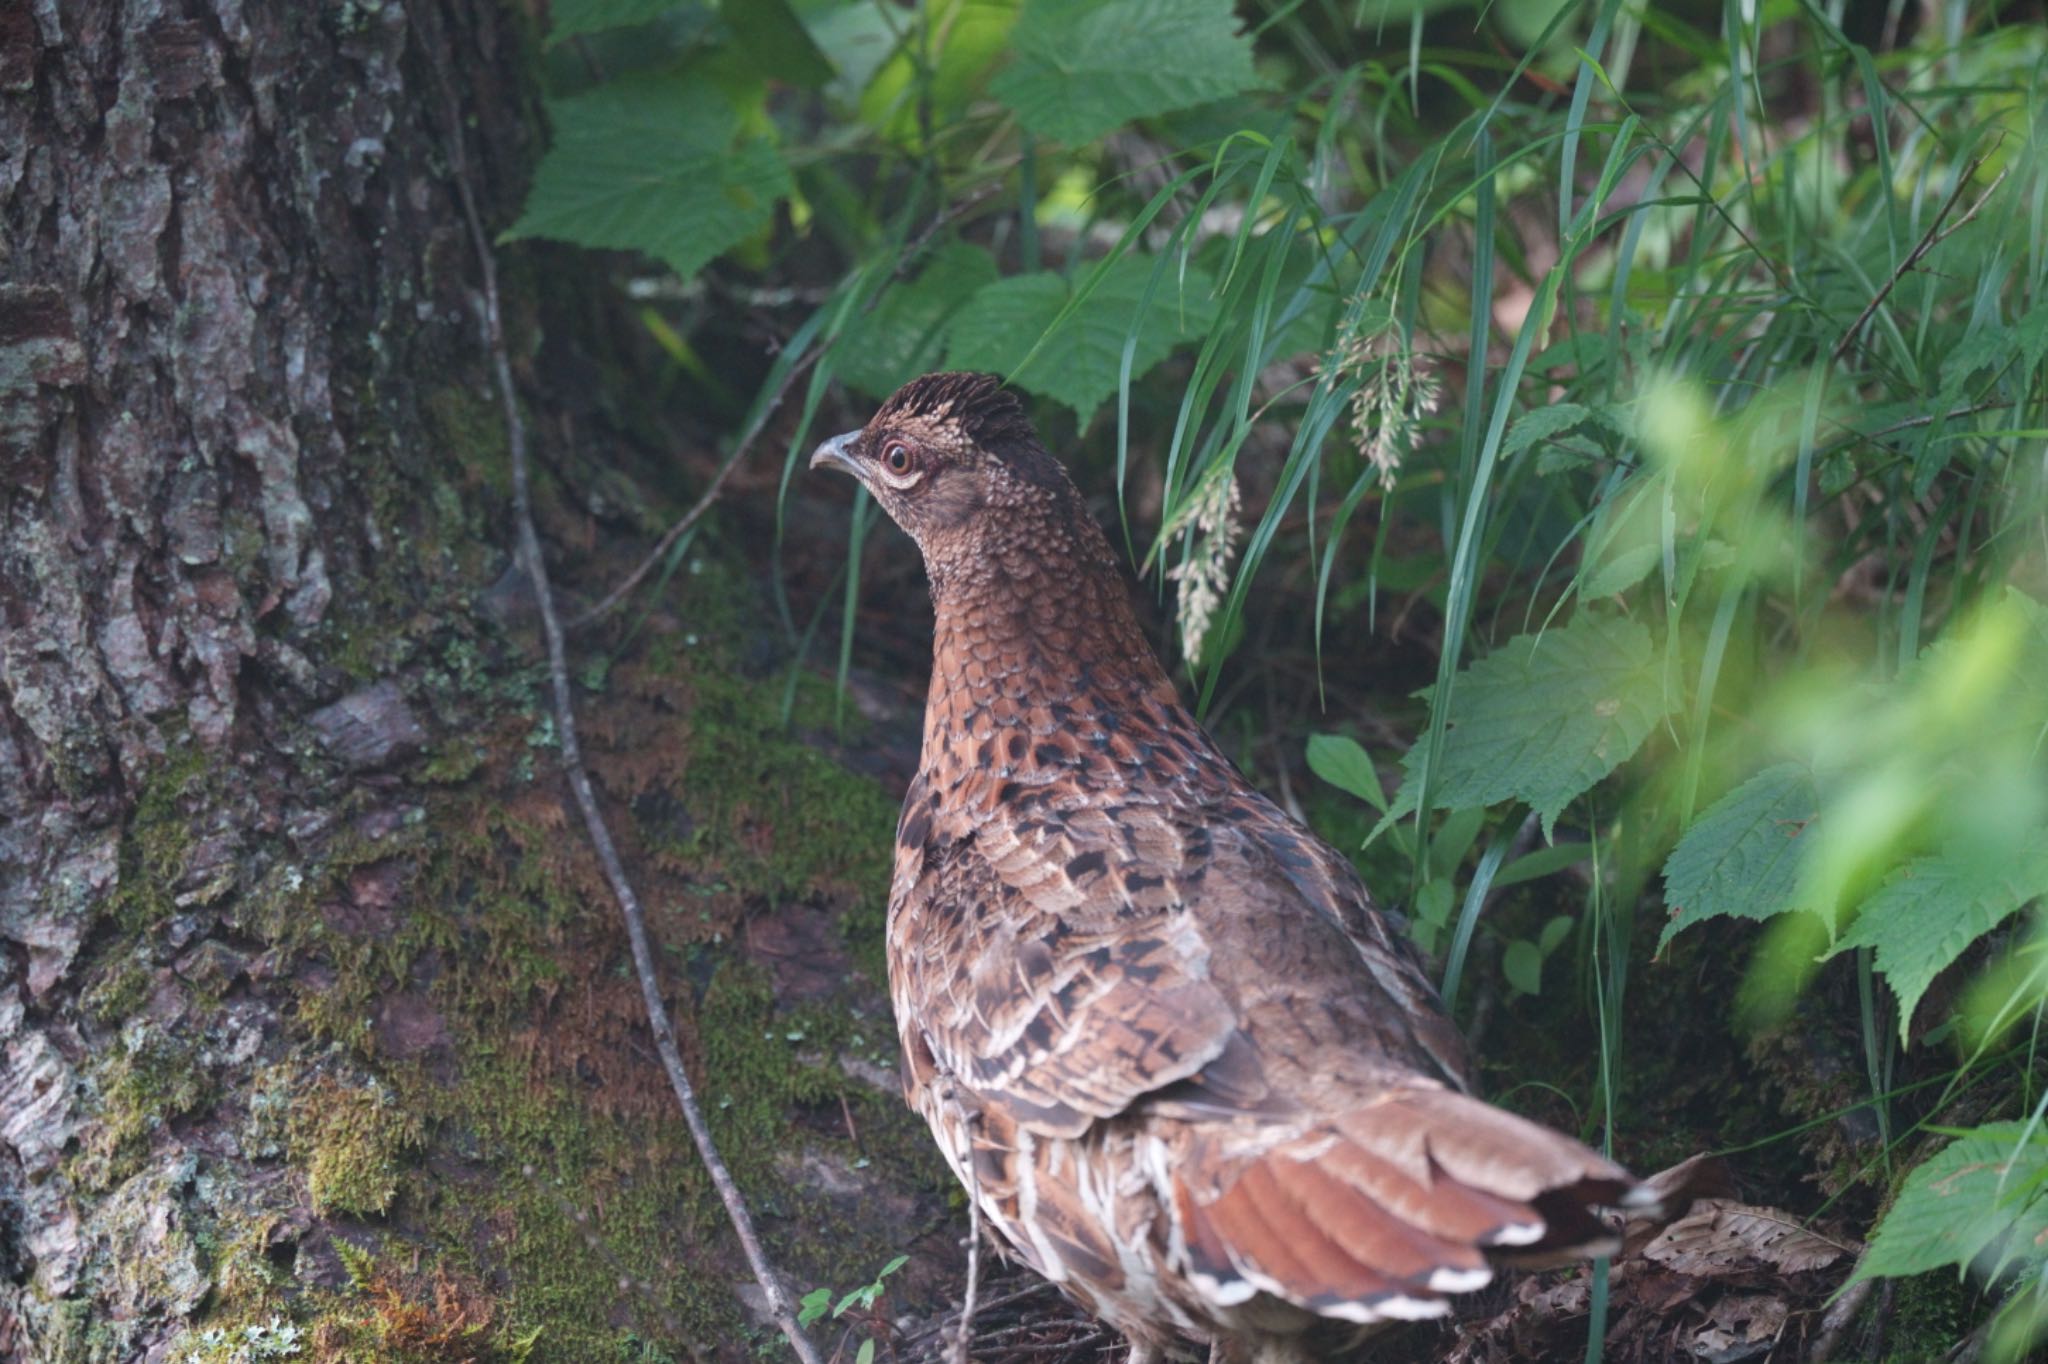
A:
[897,457]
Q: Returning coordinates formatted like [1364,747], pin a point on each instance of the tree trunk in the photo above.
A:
[230,256]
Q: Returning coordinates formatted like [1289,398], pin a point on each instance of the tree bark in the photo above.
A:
[229,261]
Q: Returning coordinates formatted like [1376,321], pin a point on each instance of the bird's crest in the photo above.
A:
[985,412]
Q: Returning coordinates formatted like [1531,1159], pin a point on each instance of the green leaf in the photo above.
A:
[653,163]
[1986,1186]
[1339,760]
[905,334]
[1554,932]
[811,1308]
[1541,425]
[774,42]
[568,18]
[1077,364]
[1741,857]
[1929,914]
[1085,67]
[1544,717]
[866,1354]
[1542,862]
[1522,964]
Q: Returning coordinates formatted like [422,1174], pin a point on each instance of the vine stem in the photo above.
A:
[579,777]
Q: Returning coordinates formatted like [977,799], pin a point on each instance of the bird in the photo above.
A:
[1179,1059]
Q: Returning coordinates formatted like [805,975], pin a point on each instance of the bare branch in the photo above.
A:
[1930,239]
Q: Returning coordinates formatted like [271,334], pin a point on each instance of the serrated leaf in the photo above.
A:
[1986,1186]
[1522,964]
[568,18]
[1544,717]
[653,163]
[1339,760]
[1078,364]
[1741,858]
[1928,915]
[1085,67]
[1541,425]
[905,335]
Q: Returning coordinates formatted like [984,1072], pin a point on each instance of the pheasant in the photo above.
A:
[1186,1069]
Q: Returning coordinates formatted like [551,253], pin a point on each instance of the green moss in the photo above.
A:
[353,1140]
[471,430]
[157,844]
[1930,1314]
[777,816]
[149,1079]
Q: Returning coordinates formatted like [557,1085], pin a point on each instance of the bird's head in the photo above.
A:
[951,457]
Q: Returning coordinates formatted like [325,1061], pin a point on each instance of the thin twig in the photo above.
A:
[964,1335]
[1931,238]
[579,777]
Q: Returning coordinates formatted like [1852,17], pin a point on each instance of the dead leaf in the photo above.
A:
[1719,1237]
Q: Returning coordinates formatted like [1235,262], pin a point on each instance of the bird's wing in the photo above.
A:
[1062,1016]
[1067,958]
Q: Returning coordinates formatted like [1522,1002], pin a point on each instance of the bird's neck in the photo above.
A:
[1035,628]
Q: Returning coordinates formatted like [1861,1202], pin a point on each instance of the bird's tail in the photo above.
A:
[1382,1212]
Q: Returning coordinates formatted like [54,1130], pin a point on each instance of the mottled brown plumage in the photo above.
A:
[1207,1090]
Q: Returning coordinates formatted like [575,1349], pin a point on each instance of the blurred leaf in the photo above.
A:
[1522,964]
[1741,858]
[1986,1186]
[1339,760]
[967,37]
[1077,365]
[1085,67]
[653,163]
[1544,717]
[1554,932]
[775,43]
[905,334]
[1930,913]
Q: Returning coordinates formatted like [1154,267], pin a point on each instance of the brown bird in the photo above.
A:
[1207,1089]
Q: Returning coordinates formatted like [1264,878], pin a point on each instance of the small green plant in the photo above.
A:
[817,1304]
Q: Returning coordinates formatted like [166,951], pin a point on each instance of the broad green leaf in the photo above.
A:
[811,1308]
[1085,67]
[653,163]
[1544,717]
[1522,964]
[1077,364]
[905,335]
[1741,857]
[1930,913]
[568,18]
[1988,1185]
[1338,760]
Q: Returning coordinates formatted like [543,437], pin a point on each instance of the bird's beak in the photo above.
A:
[837,453]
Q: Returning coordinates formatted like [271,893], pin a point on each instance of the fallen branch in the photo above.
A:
[579,777]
